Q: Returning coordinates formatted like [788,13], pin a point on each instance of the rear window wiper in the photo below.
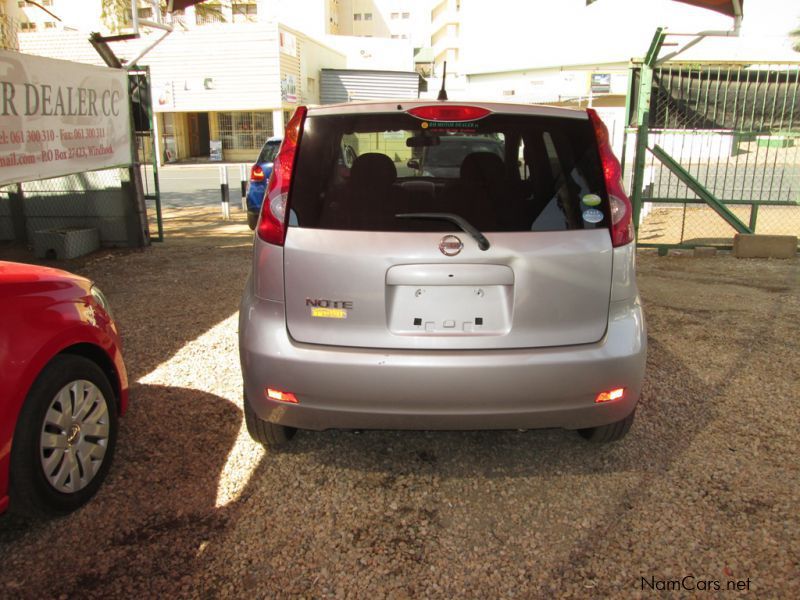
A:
[460,222]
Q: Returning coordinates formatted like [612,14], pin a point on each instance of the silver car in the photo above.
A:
[503,297]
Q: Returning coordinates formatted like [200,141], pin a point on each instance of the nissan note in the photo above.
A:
[498,296]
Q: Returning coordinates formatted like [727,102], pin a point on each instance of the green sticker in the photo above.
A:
[592,200]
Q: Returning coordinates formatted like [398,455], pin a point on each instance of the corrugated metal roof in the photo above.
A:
[345,85]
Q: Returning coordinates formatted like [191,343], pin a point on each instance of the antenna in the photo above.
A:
[443,92]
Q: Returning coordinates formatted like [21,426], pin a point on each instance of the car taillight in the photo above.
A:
[448,112]
[256,173]
[275,208]
[619,204]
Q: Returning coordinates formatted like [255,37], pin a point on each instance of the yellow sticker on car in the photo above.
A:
[328,313]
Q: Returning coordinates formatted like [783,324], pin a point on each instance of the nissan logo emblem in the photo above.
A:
[450,245]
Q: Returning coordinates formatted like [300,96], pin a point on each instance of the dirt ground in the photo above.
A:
[705,487]
[700,225]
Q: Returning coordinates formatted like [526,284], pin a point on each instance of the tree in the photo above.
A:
[795,37]
[116,14]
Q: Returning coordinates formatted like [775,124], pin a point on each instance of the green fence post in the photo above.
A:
[642,122]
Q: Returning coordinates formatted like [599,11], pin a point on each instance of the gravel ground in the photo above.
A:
[705,485]
[701,225]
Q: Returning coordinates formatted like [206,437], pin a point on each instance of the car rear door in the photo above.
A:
[357,275]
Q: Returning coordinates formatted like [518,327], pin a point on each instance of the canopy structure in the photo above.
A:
[732,8]
[181,4]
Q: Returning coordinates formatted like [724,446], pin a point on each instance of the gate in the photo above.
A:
[716,151]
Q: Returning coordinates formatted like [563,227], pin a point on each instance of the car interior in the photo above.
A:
[537,186]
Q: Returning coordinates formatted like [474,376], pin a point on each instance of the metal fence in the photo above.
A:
[92,199]
[719,152]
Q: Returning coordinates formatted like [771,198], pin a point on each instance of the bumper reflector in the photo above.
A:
[281,396]
[610,395]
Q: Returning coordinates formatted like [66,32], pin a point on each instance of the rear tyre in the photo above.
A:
[252,219]
[270,435]
[609,433]
[64,438]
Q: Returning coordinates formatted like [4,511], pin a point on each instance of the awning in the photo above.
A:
[181,4]
[732,8]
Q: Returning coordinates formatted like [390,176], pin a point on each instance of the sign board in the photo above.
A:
[59,117]
[288,89]
[601,83]
[216,150]
[288,43]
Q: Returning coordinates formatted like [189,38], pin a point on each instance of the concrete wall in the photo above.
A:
[545,85]
[231,67]
[314,57]
[380,54]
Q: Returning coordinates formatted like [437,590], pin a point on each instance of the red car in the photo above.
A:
[63,384]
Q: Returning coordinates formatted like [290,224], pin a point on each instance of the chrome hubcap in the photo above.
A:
[74,436]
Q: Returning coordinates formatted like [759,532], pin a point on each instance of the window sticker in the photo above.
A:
[591,200]
[459,126]
[592,215]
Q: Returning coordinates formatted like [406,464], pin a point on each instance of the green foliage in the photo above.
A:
[116,14]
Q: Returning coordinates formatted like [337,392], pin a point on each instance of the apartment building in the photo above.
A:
[445,36]
[395,19]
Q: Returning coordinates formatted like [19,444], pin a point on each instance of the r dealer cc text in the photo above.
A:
[46,100]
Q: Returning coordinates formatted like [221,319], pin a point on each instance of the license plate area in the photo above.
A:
[449,310]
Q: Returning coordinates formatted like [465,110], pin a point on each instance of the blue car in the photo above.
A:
[259,176]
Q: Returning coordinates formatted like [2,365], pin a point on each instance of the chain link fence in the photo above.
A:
[734,129]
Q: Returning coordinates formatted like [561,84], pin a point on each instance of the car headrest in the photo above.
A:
[373,169]
[485,168]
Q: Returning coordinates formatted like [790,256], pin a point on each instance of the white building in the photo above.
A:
[208,83]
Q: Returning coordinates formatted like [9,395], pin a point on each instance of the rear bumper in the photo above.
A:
[252,218]
[339,387]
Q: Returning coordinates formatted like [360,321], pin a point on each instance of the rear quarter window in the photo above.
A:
[268,152]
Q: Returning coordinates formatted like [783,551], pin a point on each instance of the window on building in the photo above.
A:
[404,36]
[49,24]
[395,15]
[244,130]
[22,3]
[601,83]
[406,15]
[395,37]
[244,12]
[211,14]
[368,16]
[168,137]
[46,2]
[176,16]
[27,26]
[145,12]
[356,16]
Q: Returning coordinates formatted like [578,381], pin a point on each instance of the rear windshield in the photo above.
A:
[269,152]
[501,173]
